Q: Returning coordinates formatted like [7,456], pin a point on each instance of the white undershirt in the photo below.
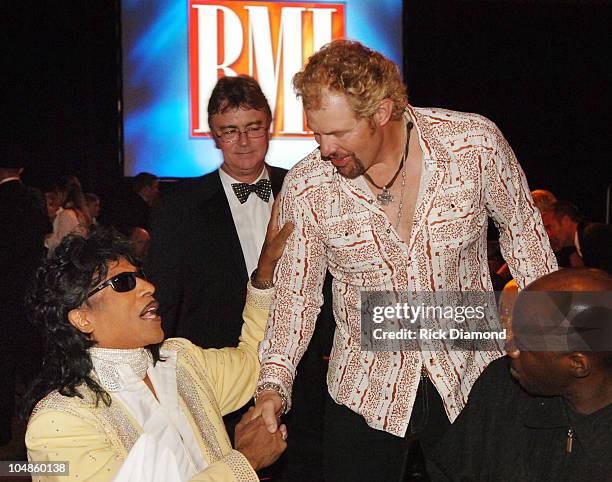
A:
[161,418]
[251,218]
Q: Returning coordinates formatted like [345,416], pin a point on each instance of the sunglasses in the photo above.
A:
[121,283]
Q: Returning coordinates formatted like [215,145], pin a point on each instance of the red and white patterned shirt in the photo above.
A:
[469,174]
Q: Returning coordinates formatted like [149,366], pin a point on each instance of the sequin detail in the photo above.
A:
[260,299]
[105,361]
[185,385]
[240,467]
[113,421]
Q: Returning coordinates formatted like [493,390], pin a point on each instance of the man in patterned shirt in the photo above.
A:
[396,198]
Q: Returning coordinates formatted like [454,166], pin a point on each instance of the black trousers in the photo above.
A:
[354,452]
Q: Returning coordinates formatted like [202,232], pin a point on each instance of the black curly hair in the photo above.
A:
[77,265]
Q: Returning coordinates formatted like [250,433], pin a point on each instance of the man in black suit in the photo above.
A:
[23,226]
[205,240]
[132,206]
[591,243]
[207,234]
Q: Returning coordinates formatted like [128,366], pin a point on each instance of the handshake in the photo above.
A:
[253,439]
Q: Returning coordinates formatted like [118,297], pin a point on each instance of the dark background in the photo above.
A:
[539,69]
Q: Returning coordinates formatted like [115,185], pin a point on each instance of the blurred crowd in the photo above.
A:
[576,241]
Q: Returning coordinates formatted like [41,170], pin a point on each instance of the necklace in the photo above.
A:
[385,197]
[401,201]
[105,361]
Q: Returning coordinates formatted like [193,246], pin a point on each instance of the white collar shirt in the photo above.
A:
[161,418]
[250,219]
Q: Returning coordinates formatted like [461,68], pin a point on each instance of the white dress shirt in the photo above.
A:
[251,218]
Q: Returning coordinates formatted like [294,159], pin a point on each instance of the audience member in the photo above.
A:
[114,399]
[590,244]
[145,187]
[52,204]
[140,239]
[395,198]
[552,421]
[72,216]
[132,205]
[92,201]
[561,224]
[594,245]
[23,226]
[544,200]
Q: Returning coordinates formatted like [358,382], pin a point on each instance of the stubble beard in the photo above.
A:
[355,169]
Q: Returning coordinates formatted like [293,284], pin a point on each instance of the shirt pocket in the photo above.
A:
[457,217]
[351,243]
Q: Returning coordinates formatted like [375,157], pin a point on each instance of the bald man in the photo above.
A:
[544,412]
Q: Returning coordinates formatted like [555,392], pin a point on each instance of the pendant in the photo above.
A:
[385,197]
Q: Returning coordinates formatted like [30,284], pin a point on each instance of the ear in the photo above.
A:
[383,114]
[579,364]
[79,319]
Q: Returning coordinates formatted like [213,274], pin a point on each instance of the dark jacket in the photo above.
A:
[595,241]
[505,434]
[196,263]
[23,225]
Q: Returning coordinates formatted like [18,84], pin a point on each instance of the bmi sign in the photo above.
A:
[270,41]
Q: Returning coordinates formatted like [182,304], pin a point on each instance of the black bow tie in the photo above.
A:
[262,188]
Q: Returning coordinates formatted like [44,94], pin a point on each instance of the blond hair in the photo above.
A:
[364,76]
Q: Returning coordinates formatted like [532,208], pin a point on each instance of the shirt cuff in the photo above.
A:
[260,299]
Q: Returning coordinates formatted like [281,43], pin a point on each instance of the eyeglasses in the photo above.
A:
[121,283]
[232,134]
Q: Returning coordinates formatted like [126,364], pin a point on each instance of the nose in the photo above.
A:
[326,146]
[243,139]
[146,287]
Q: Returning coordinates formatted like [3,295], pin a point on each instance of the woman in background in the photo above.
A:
[72,216]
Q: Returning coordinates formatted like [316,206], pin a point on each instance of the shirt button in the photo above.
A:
[370,201]
[388,230]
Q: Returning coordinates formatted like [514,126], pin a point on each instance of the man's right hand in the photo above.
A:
[269,406]
[260,447]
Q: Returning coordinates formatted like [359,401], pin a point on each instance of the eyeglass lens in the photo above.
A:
[126,281]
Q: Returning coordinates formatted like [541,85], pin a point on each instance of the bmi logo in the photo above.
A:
[270,41]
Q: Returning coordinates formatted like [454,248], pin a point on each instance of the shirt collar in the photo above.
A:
[115,367]
[228,180]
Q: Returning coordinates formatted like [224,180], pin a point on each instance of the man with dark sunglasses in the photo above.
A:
[117,401]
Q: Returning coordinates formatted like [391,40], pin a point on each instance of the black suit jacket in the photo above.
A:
[23,225]
[125,210]
[595,241]
[196,263]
